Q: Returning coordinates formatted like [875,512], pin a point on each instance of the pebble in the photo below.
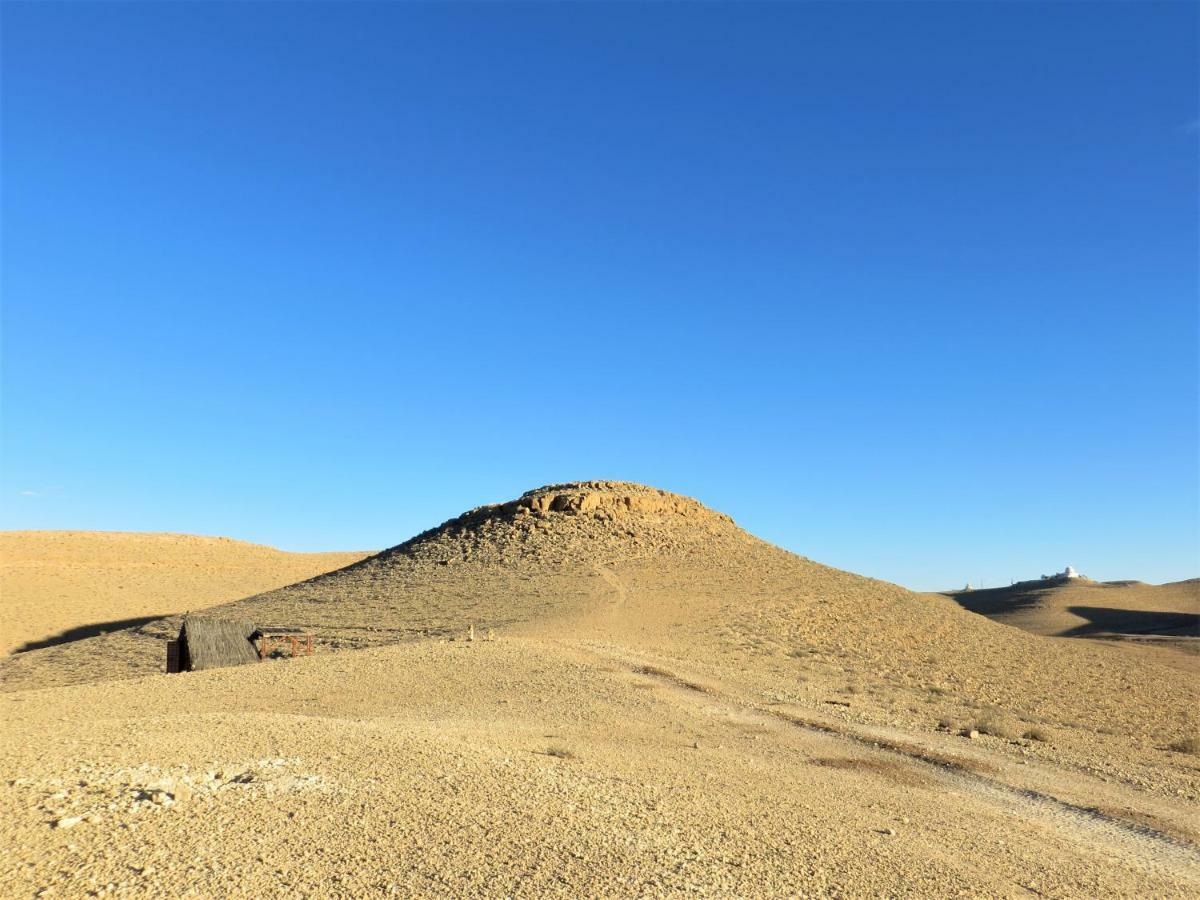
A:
[68,821]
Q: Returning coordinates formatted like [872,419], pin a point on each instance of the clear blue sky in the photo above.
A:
[909,289]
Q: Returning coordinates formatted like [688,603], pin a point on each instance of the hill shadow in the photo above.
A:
[81,632]
[1105,620]
[996,601]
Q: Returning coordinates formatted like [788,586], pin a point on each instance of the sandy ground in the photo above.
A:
[1159,622]
[56,584]
[669,706]
[1084,608]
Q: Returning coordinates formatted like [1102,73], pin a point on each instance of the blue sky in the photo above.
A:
[910,289]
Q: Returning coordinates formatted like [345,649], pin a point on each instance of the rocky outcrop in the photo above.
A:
[611,499]
[580,520]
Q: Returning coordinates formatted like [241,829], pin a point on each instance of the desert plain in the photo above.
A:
[596,689]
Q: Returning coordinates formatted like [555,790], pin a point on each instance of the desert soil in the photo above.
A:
[1159,622]
[55,582]
[1085,608]
[656,703]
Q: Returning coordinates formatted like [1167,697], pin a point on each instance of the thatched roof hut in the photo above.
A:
[213,643]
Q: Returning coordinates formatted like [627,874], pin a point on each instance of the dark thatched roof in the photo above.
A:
[213,643]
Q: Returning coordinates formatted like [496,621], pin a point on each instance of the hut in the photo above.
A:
[211,644]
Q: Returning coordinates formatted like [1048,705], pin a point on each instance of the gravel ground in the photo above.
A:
[669,706]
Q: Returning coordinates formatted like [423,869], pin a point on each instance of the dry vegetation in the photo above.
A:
[1186,745]
[669,705]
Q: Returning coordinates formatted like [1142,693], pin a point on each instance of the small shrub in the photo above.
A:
[803,651]
[1187,745]
[655,671]
[997,724]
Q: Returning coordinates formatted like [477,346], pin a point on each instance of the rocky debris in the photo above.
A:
[561,522]
[157,797]
[609,500]
[147,788]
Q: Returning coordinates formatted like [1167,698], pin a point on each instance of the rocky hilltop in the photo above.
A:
[576,521]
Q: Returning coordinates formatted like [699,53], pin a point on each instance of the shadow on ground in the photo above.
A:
[1104,620]
[86,631]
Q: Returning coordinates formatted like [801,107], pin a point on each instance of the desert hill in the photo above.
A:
[1084,608]
[656,703]
[66,584]
[611,561]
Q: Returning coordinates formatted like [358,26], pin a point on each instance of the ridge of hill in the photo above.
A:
[58,586]
[1096,609]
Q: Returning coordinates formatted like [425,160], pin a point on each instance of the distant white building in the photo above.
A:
[1065,575]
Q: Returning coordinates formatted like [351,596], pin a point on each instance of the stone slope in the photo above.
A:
[570,522]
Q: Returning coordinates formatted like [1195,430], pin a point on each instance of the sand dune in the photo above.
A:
[62,584]
[666,705]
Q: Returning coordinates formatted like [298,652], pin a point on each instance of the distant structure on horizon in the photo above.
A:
[1065,575]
